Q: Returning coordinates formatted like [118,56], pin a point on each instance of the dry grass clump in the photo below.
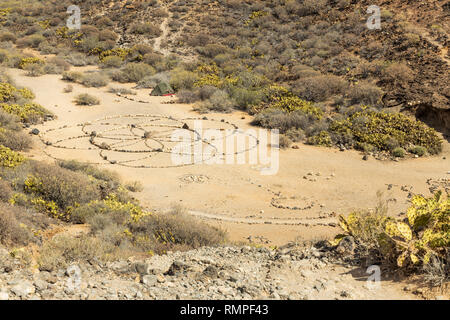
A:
[61,251]
[11,230]
[86,99]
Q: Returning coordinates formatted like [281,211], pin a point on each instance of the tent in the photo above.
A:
[163,88]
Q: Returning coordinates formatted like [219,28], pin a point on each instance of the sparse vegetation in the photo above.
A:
[86,99]
[418,242]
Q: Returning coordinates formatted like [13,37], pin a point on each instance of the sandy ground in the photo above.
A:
[237,197]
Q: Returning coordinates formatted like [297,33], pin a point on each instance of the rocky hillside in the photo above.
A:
[207,273]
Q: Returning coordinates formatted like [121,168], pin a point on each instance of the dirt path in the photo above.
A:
[319,182]
[165,32]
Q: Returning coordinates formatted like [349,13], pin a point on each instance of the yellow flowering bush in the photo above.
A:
[24,62]
[9,158]
[9,92]
[28,112]
[379,128]
[122,53]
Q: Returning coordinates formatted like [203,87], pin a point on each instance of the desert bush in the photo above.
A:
[182,79]
[365,93]
[34,70]
[121,90]
[9,158]
[107,35]
[295,134]
[245,98]
[62,186]
[73,76]
[153,81]
[12,232]
[148,29]
[86,99]
[28,112]
[319,88]
[418,150]
[220,102]
[77,59]
[176,228]
[32,41]
[112,62]
[283,120]
[187,96]
[380,129]
[7,36]
[68,88]
[397,73]
[61,251]
[408,243]
[153,59]
[5,191]
[14,140]
[135,186]
[399,152]
[284,141]
[94,79]
[134,72]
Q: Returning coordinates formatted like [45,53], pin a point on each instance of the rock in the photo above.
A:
[296,147]
[346,246]
[185,126]
[176,268]
[23,289]
[150,280]
[141,267]
[211,272]
[120,266]
[160,278]
[35,131]
[4,296]
[40,285]
[365,157]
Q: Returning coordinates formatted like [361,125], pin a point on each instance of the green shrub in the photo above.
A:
[9,158]
[28,112]
[399,152]
[182,79]
[409,243]
[418,150]
[381,129]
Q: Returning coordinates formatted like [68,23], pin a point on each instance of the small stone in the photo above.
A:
[296,147]
[161,278]
[141,268]
[211,272]
[35,131]
[150,280]
[365,157]
[23,289]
